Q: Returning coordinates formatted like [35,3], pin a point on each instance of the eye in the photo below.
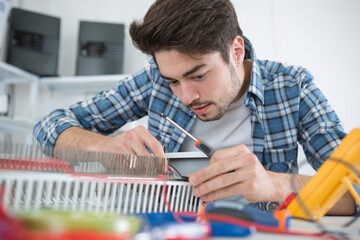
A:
[173,82]
[199,77]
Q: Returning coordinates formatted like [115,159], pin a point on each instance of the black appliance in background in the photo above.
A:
[33,42]
[100,49]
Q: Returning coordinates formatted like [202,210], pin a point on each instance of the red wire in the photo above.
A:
[175,215]
[286,202]
[204,217]
[261,227]
[35,164]
[248,224]
[58,164]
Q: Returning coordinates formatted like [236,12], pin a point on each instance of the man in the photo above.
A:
[204,74]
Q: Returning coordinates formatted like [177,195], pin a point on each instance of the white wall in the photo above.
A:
[325,37]
[322,35]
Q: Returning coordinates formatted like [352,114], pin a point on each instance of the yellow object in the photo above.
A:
[336,176]
[49,220]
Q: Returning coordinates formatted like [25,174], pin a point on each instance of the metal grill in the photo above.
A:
[29,190]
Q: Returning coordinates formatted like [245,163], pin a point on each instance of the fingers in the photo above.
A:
[137,140]
[219,184]
[232,171]
[150,141]
[242,174]
[228,192]
[224,161]
[236,151]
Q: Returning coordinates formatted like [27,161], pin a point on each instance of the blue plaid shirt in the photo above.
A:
[286,109]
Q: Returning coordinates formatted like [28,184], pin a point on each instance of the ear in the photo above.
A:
[238,50]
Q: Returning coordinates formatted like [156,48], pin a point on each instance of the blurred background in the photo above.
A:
[322,36]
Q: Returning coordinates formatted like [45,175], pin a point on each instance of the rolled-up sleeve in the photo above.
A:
[106,112]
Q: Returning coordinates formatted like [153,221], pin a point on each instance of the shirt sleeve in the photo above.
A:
[106,112]
[320,130]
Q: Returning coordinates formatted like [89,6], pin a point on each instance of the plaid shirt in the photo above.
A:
[286,109]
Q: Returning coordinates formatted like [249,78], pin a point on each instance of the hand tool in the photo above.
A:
[199,143]
[232,209]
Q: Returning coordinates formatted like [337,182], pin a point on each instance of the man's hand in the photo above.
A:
[135,141]
[235,171]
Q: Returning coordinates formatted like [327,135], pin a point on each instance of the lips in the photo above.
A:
[201,110]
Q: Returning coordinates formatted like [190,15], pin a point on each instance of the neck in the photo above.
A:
[245,82]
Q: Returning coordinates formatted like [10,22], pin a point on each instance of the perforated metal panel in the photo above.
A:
[34,190]
[33,42]
[100,48]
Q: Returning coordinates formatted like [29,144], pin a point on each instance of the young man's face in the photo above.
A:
[204,83]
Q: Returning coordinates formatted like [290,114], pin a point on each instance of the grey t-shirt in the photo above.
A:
[232,129]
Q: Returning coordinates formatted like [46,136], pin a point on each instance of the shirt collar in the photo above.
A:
[256,86]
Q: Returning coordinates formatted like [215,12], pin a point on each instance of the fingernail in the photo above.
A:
[203,198]
[193,180]
[196,192]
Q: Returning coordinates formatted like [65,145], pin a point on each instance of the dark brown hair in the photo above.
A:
[189,26]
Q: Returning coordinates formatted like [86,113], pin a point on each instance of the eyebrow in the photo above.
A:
[194,69]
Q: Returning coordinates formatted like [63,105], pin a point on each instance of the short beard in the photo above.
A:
[235,85]
[219,115]
[204,119]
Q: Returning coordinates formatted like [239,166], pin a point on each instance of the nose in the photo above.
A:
[189,93]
